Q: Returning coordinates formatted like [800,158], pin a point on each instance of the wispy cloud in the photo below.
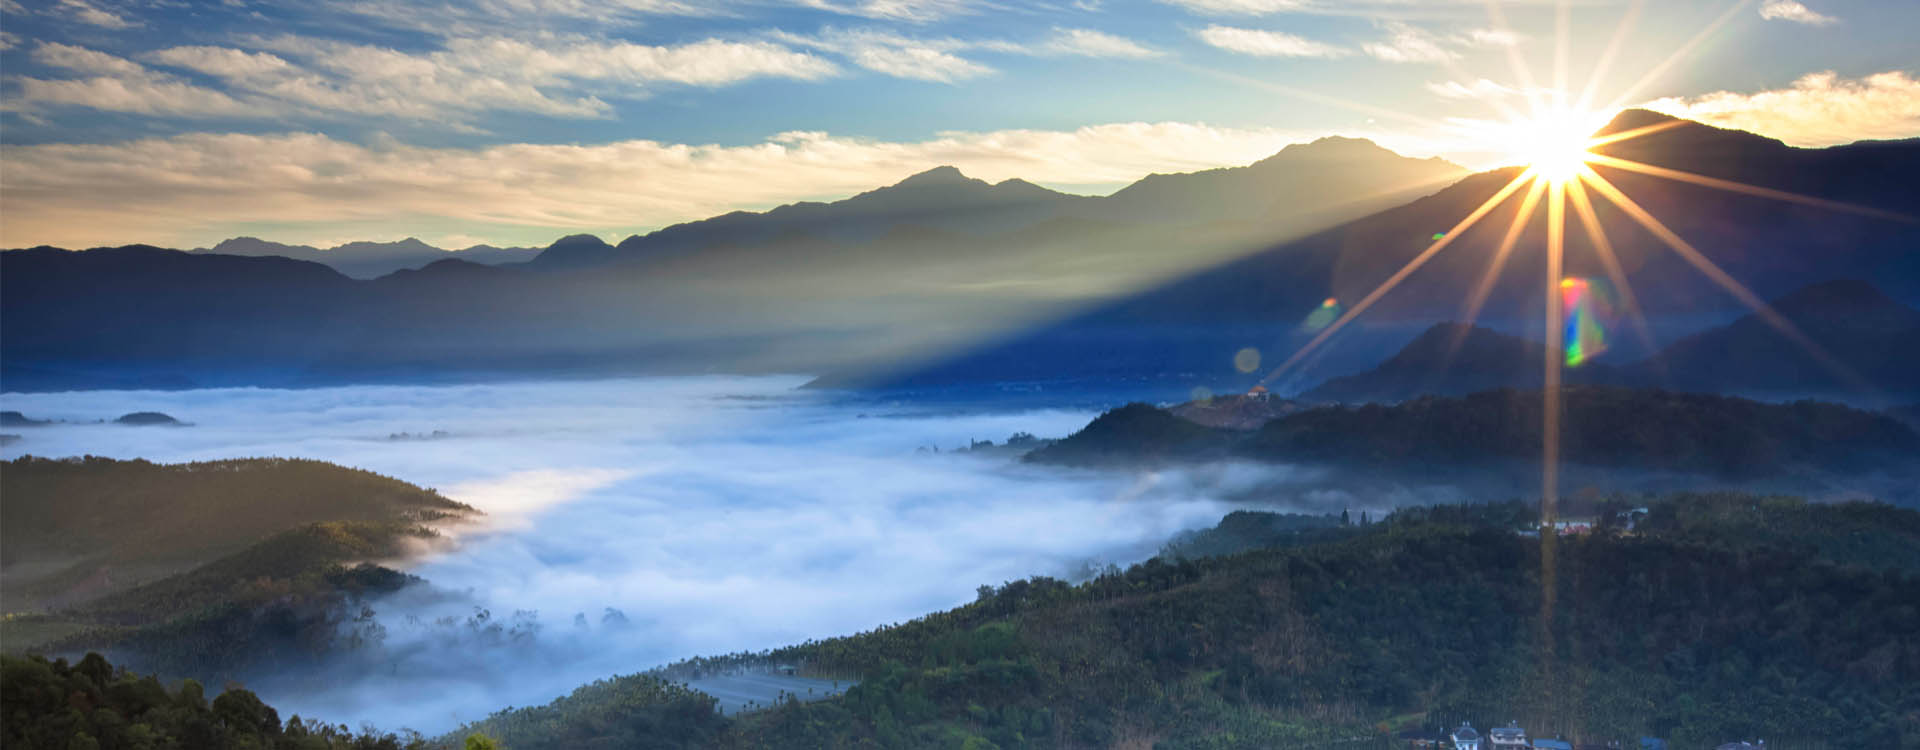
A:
[1409,44]
[177,190]
[289,74]
[1819,109]
[1267,43]
[1479,90]
[1789,10]
[914,11]
[88,13]
[1239,7]
[926,59]
[1090,43]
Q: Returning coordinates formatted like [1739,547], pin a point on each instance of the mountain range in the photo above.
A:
[932,260]
[1193,326]
[942,279]
[367,260]
[1862,338]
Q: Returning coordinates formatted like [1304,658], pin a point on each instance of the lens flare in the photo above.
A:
[1322,316]
[1585,309]
[1246,360]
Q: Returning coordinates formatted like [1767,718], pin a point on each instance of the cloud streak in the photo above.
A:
[1819,109]
[1788,10]
[1267,43]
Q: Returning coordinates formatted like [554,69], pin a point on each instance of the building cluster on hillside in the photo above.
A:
[1513,737]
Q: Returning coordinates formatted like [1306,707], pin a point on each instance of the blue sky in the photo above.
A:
[513,121]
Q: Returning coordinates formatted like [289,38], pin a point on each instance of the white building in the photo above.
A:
[1465,738]
[1510,737]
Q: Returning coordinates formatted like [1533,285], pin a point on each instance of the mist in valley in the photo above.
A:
[632,523]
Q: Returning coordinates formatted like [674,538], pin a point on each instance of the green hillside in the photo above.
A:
[1429,617]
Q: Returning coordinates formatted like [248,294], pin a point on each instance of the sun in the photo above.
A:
[1554,144]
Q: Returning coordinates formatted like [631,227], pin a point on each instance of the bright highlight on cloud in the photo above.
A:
[183,190]
[1819,109]
[1788,10]
[1267,43]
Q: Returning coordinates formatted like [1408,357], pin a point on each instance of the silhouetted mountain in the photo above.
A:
[1191,327]
[366,260]
[1874,341]
[148,419]
[922,265]
[16,419]
[574,251]
[1866,334]
[1324,175]
[1641,430]
[1454,359]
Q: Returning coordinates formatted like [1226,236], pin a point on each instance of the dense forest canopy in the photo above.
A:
[1717,616]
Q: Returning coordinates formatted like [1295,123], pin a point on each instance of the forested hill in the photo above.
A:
[73,530]
[1603,427]
[1717,620]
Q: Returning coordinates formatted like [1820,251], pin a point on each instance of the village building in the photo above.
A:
[1465,738]
[1510,737]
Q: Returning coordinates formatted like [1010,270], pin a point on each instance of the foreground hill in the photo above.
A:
[1641,430]
[1711,623]
[74,530]
[43,701]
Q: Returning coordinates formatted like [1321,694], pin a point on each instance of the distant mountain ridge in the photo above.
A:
[367,260]
[932,260]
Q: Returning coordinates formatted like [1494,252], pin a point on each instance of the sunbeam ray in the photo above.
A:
[1478,298]
[1603,248]
[1608,55]
[1719,276]
[1654,74]
[1741,187]
[1406,270]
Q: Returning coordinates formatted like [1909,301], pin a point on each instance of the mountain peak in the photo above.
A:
[578,240]
[942,175]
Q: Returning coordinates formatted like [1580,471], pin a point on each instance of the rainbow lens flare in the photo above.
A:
[1585,304]
[1322,316]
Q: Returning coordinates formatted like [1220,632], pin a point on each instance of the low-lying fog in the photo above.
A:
[715,514]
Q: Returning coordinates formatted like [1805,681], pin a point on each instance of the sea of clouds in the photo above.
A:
[714,514]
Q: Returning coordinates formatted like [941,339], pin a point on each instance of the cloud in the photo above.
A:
[83,60]
[1820,109]
[487,17]
[1479,90]
[1490,38]
[924,59]
[549,75]
[1090,43]
[1240,7]
[1267,43]
[85,12]
[1407,44]
[912,11]
[116,84]
[184,190]
[1789,10]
